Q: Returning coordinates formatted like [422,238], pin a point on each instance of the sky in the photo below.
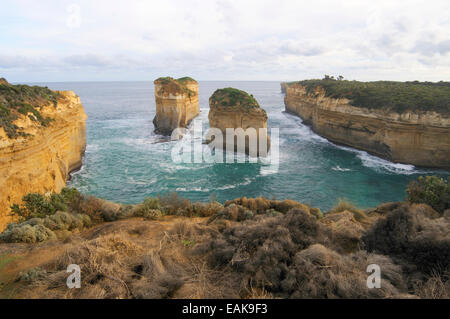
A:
[281,40]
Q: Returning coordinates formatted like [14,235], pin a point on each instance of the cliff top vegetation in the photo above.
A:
[26,100]
[388,95]
[245,248]
[176,85]
[229,97]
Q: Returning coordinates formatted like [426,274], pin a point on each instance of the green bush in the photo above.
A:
[149,209]
[26,233]
[233,97]
[32,274]
[389,95]
[37,205]
[23,99]
[430,190]
[43,229]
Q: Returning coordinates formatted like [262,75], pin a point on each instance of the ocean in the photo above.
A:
[126,161]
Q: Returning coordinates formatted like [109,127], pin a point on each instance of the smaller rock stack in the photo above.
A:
[233,108]
[176,103]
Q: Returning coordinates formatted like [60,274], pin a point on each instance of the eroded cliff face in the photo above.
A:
[411,138]
[42,162]
[176,104]
[234,115]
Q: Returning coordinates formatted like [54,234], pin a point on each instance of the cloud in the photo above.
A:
[227,39]
[87,60]
[430,48]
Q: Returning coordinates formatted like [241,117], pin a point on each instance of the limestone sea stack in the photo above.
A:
[233,108]
[404,122]
[42,140]
[176,103]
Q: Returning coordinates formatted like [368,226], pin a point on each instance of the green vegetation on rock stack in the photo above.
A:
[230,97]
[185,80]
[172,84]
[23,99]
[388,95]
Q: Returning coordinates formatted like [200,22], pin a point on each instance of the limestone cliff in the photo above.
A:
[40,158]
[418,138]
[232,108]
[176,103]
[284,86]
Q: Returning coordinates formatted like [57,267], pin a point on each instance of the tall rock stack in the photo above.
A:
[176,103]
[233,108]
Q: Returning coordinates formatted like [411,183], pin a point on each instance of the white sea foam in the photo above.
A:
[379,163]
[193,189]
[340,169]
[92,148]
[367,160]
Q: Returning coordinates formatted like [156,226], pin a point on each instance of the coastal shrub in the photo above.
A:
[343,230]
[436,286]
[35,115]
[233,97]
[232,212]
[16,100]
[26,233]
[292,231]
[430,190]
[414,233]
[206,209]
[32,274]
[171,85]
[36,205]
[67,221]
[42,229]
[92,206]
[149,209]
[102,261]
[389,95]
[261,205]
[151,203]
[173,204]
[185,79]
[112,211]
[345,205]
[286,256]
[72,198]
[318,272]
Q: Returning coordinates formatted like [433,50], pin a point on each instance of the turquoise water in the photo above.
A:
[126,162]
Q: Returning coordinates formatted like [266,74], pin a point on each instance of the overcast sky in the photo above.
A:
[224,40]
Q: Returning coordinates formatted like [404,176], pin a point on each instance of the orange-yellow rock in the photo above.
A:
[234,109]
[41,162]
[421,139]
[176,103]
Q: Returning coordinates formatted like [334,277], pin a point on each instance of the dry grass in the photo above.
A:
[436,286]
[282,250]
[344,205]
